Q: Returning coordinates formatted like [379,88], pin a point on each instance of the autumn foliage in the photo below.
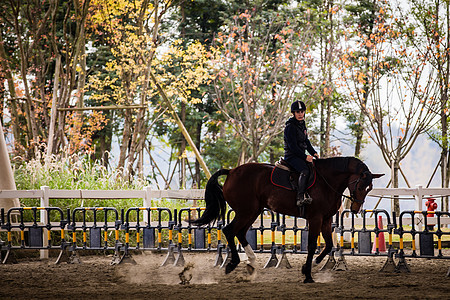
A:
[82,75]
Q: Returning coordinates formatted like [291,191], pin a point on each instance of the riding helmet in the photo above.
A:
[297,106]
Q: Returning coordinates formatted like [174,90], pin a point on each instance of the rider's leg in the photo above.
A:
[303,169]
[302,181]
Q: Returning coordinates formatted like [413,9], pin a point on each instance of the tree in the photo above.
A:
[365,15]
[325,18]
[45,31]
[132,36]
[429,33]
[182,71]
[27,23]
[396,94]
[260,64]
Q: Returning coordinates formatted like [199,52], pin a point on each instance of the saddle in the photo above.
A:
[286,177]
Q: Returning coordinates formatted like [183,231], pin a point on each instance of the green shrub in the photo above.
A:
[73,172]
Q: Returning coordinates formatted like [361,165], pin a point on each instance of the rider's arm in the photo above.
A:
[310,148]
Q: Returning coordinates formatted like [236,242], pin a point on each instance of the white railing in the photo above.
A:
[417,194]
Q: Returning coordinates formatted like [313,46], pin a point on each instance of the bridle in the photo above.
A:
[352,197]
[356,182]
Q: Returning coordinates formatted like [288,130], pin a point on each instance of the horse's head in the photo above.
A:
[360,184]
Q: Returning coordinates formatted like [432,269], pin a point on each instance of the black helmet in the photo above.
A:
[297,106]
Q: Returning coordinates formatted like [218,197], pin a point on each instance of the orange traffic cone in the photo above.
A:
[381,241]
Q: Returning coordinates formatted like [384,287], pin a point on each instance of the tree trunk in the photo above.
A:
[133,150]
[198,144]
[395,202]
[182,153]
[329,60]
[12,93]
[445,169]
[82,74]
[322,128]
[444,159]
[125,139]
[105,144]
[242,158]
[359,135]
[31,118]
[360,125]
[444,200]
[63,99]
[328,128]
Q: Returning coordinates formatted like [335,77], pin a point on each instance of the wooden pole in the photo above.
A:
[110,107]
[181,125]
[434,172]
[51,130]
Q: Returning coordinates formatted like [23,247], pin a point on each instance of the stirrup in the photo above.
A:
[304,201]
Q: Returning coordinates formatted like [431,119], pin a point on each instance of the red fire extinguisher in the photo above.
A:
[431,206]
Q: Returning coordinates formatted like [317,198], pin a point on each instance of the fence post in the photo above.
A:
[419,197]
[45,202]
[418,218]
[147,202]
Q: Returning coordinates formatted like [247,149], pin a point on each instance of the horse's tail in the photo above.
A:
[215,202]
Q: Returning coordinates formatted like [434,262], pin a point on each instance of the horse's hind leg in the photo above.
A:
[238,227]
[251,265]
[241,235]
[326,233]
[229,233]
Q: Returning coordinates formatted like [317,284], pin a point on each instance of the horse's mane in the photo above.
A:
[342,164]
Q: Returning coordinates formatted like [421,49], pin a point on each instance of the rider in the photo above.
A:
[295,143]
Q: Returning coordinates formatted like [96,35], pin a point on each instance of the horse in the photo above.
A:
[248,190]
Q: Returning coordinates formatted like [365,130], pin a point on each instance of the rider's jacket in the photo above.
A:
[296,140]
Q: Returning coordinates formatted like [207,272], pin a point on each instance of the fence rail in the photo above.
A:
[417,194]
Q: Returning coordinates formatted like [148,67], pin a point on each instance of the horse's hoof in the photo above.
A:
[250,269]
[230,267]
[308,280]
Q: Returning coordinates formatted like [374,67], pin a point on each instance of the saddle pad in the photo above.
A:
[280,178]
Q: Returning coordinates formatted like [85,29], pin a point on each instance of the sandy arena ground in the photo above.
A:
[95,278]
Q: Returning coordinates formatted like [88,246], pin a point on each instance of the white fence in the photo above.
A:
[417,194]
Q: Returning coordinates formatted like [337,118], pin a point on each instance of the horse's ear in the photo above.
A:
[377,175]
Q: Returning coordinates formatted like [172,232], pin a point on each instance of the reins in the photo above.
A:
[351,198]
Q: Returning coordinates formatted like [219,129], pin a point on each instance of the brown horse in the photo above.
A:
[248,191]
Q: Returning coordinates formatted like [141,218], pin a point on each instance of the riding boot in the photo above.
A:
[301,200]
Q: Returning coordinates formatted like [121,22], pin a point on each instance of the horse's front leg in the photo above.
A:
[326,233]
[306,269]
[312,246]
